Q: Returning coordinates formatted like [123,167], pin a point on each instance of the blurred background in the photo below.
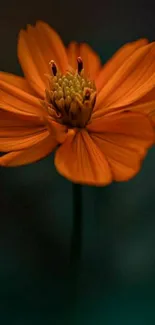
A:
[117,272]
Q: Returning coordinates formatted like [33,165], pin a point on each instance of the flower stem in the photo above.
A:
[75,253]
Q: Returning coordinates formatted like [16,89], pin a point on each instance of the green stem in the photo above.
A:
[75,253]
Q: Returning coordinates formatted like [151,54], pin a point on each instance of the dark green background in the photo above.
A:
[117,275]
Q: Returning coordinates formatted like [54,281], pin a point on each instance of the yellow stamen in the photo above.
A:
[70,98]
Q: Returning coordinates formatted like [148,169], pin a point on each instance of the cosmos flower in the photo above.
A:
[93,115]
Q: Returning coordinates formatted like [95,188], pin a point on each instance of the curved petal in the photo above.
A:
[59,131]
[73,51]
[122,55]
[15,99]
[146,105]
[36,48]
[124,139]
[17,81]
[30,155]
[131,82]
[91,61]
[29,64]
[81,161]
[51,45]
[19,141]
[15,125]
[16,133]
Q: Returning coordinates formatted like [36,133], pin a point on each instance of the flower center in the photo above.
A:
[70,98]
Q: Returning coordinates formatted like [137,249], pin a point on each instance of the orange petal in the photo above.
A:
[51,45]
[17,133]
[146,105]
[59,131]
[17,100]
[27,156]
[29,64]
[36,48]
[20,141]
[122,55]
[18,82]
[124,139]
[91,60]
[131,82]
[150,102]
[73,51]
[81,161]
[16,125]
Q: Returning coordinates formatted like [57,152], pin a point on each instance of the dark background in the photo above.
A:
[117,274]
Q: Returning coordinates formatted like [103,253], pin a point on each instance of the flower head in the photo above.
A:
[94,115]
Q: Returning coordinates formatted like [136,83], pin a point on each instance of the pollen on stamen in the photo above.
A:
[80,64]
[87,94]
[53,67]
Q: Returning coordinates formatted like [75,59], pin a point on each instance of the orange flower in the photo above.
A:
[85,110]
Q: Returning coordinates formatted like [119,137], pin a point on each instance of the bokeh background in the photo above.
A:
[117,272]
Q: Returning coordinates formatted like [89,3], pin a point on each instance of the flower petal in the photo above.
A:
[19,141]
[18,133]
[124,139]
[15,98]
[91,61]
[131,82]
[59,131]
[73,51]
[146,105]
[51,45]
[15,125]
[122,55]
[29,64]
[36,47]
[81,161]
[16,81]
[30,155]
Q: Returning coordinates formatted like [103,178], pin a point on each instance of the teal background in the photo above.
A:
[117,273]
